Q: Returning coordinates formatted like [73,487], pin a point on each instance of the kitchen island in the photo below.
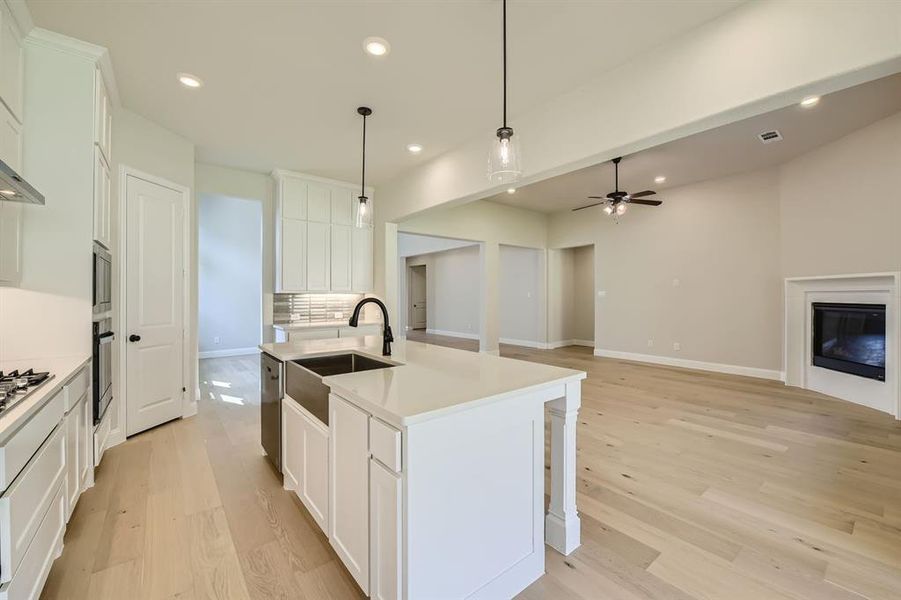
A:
[435,467]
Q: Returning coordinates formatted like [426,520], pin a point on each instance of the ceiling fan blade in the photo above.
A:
[597,197]
[646,202]
[642,194]
[588,206]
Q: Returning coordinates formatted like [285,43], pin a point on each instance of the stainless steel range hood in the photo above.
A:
[15,189]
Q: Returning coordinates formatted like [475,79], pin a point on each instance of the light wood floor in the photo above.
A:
[692,485]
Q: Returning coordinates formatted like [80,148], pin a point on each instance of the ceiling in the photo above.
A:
[726,150]
[283,79]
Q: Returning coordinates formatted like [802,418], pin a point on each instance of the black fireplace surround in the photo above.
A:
[850,338]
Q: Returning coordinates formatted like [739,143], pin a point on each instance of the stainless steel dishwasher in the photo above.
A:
[272,390]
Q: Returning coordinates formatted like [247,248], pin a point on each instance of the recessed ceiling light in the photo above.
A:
[810,101]
[660,179]
[414,148]
[189,81]
[376,46]
[511,190]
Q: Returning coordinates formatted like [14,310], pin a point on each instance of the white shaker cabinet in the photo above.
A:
[10,139]
[385,518]
[318,256]
[10,243]
[326,253]
[12,62]
[103,117]
[305,449]
[102,200]
[341,258]
[349,487]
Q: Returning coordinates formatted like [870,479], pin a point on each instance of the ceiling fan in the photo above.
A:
[616,202]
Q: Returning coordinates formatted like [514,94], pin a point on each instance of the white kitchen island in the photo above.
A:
[436,478]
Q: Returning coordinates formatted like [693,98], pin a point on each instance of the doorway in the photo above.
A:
[153,319]
[418,306]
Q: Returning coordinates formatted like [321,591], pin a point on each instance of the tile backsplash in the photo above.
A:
[312,308]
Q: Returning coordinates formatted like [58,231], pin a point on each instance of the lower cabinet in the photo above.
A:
[349,487]
[305,448]
[385,519]
[79,445]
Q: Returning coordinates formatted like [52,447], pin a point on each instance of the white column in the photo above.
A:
[489,277]
[562,529]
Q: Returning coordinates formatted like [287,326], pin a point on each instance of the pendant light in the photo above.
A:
[503,158]
[364,208]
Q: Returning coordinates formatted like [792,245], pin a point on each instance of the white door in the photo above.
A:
[418,310]
[154,302]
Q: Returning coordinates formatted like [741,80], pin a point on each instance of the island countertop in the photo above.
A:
[427,381]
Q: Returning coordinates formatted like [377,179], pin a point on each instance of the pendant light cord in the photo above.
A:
[505,62]
[363,175]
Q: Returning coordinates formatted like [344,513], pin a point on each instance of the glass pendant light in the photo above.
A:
[504,157]
[364,207]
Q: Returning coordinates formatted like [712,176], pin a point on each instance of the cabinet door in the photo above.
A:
[384,532]
[11,66]
[292,445]
[319,203]
[293,198]
[10,242]
[342,206]
[361,263]
[73,438]
[314,485]
[102,192]
[341,257]
[10,140]
[318,250]
[86,443]
[349,487]
[293,255]
[102,116]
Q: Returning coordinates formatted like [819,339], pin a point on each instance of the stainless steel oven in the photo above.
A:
[102,367]
[103,279]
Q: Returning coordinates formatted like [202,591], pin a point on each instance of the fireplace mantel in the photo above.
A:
[800,294]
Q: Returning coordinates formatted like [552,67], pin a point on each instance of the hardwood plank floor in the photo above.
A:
[691,485]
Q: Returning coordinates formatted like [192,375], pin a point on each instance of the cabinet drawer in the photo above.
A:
[24,504]
[19,449]
[35,567]
[384,444]
[76,388]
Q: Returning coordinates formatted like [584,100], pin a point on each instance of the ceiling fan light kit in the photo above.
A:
[617,202]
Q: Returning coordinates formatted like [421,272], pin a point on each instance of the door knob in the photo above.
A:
[134,338]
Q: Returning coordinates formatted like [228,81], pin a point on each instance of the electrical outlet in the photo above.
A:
[216,340]
[338,315]
[650,343]
[677,346]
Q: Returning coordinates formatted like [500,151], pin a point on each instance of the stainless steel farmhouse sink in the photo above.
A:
[303,378]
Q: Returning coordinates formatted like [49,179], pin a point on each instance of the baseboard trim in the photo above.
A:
[562,343]
[524,343]
[230,352]
[693,364]
[456,334]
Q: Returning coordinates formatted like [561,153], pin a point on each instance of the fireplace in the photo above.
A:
[849,338]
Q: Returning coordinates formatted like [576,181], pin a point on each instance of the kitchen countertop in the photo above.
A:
[427,381]
[320,325]
[62,368]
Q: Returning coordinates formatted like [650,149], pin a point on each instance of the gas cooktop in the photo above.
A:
[15,386]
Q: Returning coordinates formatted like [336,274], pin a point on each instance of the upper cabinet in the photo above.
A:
[317,248]
[12,61]
[10,243]
[103,132]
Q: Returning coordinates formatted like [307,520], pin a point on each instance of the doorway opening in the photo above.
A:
[417,301]
[571,297]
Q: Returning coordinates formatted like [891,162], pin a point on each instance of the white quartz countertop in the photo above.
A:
[319,325]
[62,368]
[427,381]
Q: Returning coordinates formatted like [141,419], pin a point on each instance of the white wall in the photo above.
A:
[409,244]
[702,270]
[258,187]
[840,205]
[522,296]
[452,290]
[229,272]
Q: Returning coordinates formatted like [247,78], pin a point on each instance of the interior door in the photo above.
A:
[418,307]
[154,303]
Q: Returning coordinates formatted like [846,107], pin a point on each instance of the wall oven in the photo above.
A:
[102,367]
[103,273]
